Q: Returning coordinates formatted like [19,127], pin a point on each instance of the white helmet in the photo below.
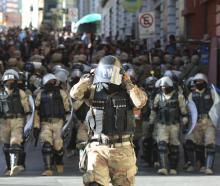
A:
[47,78]
[11,72]
[164,81]
[200,76]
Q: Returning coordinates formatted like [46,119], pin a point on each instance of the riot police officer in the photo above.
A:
[52,105]
[149,143]
[204,132]
[14,106]
[169,106]
[109,152]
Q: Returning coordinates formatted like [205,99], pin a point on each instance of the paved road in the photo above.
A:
[72,176]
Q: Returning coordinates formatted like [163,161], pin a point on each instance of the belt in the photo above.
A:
[50,120]
[96,143]
[106,141]
[12,116]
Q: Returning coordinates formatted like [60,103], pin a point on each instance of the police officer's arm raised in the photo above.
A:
[138,97]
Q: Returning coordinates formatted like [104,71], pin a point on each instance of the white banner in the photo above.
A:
[146,24]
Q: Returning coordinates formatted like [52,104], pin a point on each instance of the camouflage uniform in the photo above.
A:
[203,135]
[51,132]
[168,132]
[11,132]
[103,160]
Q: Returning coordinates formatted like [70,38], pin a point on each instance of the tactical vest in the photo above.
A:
[169,112]
[10,105]
[117,116]
[203,101]
[51,104]
[82,111]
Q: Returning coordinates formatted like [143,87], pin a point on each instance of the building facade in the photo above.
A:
[118,23]
[10,12]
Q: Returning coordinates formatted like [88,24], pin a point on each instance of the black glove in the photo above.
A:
[36,133]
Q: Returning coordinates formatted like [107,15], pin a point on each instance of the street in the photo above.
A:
[72,176]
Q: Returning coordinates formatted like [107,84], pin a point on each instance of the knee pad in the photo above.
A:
[189,145]
[6,148]
[15,148]
[94,184]
[47,148]
[210,149]
[162,146]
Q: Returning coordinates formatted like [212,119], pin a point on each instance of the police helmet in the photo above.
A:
[61,73]
[10,74]
[47,78]
[77,70]
[109,70]
[150,80]
[200,76]
[164,82]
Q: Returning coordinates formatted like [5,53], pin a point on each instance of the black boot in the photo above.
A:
[147,145]
[22,158]
[200,156]
[6,150]
[15,153]
[174,159]
[190,153]
[155,154]
[163,158]
[58,157]
[47,153]
[210,157]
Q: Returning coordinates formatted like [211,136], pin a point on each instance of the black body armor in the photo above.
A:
[51,105]
[169,112]
[203,101]
[10,105]
[117,108]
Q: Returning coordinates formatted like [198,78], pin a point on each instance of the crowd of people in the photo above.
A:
[47,64]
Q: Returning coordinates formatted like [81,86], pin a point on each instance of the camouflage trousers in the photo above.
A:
[168,133]
[51,132]
[11,130]
[82,133]
[204,132]
[104,163]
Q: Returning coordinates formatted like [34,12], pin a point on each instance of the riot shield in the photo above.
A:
[214,112]
[30,120]
[193,116]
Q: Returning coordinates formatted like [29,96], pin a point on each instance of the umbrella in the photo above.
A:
[90,18]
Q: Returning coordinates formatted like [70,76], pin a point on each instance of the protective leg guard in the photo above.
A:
[174,156]
[155,153]
[163,158]
[15,153]
[210,156]
[47,153]
[200,155]
[58,158]
[189,149]
[147,145]
[6,150]
[22,157]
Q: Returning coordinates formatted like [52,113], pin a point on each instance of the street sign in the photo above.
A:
[146,24]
